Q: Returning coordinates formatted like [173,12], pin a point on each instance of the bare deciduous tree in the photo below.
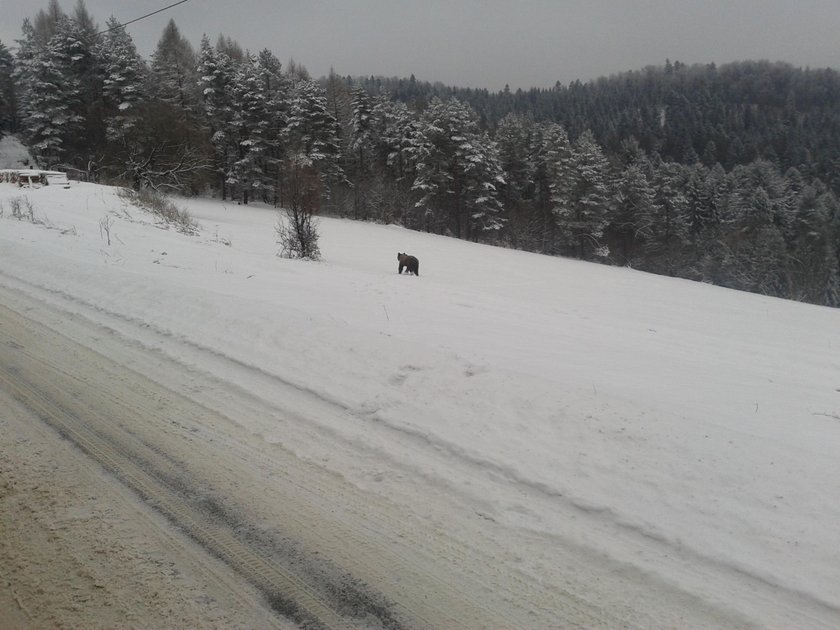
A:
[297,228]
[163,167]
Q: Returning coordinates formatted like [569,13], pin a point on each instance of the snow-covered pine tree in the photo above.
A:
[87,68]
[483,177]
[8,100]
[395,128]
[757,217]
[252,126]
[699,209]
[360,159]
[831,289]
[761,262]
[123,77]
[23,68]
[813,246]
[665,249]
[514,140]
[215,83]
[362,124]
[433,157]
[275,87]
[759,197]
[631,219]
[456,171]
[312,143]
[716,194]
[172,79]
[550,152]
[581,198]
[271,73]
[52,104]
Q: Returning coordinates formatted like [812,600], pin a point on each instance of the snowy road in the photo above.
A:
[316,546]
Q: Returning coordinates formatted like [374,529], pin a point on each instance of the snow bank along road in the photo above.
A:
[195,513]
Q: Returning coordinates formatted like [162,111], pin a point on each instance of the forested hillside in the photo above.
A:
[729,115]
[720,174]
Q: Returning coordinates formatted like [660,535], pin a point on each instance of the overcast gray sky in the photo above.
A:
[487,43]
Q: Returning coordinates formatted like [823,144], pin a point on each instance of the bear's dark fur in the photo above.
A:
[410,263]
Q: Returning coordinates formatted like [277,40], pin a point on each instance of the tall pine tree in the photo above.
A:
[123,76]
[457,172]
[581,199]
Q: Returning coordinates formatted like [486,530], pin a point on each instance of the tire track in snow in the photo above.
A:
[485,574]
[44,389]
[385,546]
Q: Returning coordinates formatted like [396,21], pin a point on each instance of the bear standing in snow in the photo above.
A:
[410,263]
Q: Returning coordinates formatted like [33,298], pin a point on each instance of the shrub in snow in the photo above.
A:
[162,206]
[22,208]
[297,234]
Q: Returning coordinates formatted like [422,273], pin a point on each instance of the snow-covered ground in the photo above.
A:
[623,408]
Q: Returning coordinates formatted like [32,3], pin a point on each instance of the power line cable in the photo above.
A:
[142,17]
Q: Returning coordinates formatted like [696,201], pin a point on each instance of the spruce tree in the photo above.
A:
[87,67]
[172,79]
[395,130]
[457,172]
[275,87]
[550,152]
[631,220]
[8,99]
[581,198]
[312,147]
[513,139]
[361,154]
[252,126]
[52,103]
[123,77]
[665,249]
[813,247]
[215,82]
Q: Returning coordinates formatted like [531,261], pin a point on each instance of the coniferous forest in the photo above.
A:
[728,175]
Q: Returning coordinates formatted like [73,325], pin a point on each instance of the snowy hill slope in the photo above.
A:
[616,409]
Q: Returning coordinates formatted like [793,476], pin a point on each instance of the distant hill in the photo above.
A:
[732,114]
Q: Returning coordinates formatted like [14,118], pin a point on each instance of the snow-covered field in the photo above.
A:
[685,430]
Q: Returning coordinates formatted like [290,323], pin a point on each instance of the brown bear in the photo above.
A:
[410,263]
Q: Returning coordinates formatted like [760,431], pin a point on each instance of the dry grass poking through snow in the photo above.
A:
[162,206]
